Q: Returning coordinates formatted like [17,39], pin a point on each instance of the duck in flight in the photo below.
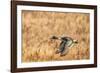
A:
[66,43]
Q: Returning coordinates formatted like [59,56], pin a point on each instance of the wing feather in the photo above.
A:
[65,51]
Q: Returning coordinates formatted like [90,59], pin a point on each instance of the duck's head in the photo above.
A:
[54,37]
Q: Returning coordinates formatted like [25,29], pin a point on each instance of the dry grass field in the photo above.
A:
[39,26]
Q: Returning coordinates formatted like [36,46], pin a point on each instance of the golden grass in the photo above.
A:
[39,26]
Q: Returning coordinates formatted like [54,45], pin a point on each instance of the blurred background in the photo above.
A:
[5,53]
[39,26]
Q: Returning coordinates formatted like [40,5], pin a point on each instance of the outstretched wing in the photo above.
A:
[61,47]
[65,51]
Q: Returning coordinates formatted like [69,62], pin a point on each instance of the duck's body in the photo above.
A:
[66,43]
